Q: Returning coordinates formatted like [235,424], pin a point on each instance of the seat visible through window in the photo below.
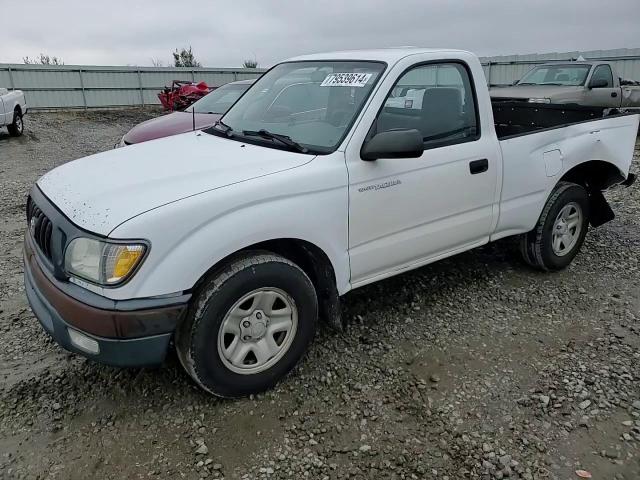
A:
[437,100]
[441,112]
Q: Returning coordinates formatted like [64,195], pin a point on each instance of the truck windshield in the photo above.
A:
[312,104]
[572,75]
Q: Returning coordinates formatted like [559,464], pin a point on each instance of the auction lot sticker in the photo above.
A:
[346,80]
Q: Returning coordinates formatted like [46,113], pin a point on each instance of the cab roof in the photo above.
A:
[565,62]
[388,55]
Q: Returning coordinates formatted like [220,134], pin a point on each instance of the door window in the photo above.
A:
[437,100]
[603,72]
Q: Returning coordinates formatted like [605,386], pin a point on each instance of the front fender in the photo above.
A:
[190,236]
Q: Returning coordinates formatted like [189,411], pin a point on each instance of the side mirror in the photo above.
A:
[393,144]
[599,83]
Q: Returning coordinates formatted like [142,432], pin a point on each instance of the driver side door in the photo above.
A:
[404,212]
[606,96]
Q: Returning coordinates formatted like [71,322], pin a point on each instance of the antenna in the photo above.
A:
[193,116]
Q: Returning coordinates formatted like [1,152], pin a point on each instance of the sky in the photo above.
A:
[224,34]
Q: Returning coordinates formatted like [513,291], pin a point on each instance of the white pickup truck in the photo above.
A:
[13,107]
[231,242]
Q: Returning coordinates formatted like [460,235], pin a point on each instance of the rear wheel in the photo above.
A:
[561,229]
[248,326]
[17,127]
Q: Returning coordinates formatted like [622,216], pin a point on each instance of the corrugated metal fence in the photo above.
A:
[70,86]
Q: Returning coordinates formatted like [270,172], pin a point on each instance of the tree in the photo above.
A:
[250,63]
[156,62]
[185,58]
[43,60]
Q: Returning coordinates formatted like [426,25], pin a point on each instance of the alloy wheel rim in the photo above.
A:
[566,229]
[257,331]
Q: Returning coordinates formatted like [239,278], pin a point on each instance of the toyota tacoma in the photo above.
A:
[230,243]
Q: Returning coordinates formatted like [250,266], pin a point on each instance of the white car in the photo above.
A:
[231,242]
[13,107]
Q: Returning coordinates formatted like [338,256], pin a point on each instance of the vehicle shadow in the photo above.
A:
[453,274]
[5,138]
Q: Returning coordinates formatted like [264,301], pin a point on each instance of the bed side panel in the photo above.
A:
[530,164]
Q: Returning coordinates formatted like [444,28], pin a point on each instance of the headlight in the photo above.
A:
[539,100]
[103,262]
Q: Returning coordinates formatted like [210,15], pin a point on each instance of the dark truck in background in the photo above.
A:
[588,84]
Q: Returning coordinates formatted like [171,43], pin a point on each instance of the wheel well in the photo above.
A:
[18,109]
[594,175]
[313,261]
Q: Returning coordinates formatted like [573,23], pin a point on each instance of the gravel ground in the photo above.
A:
[475,367]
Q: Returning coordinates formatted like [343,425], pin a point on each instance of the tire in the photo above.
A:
[567,204]
[245,361]
[17,127]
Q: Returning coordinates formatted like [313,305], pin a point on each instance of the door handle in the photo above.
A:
[479,166]
[614,94]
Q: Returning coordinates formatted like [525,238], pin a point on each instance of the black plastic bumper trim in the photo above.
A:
[137,352]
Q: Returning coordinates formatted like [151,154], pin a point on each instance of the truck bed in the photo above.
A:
[630,96]
[555,140]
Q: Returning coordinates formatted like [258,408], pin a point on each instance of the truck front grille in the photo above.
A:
[40,227]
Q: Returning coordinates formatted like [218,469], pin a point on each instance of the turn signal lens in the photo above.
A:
[126,258]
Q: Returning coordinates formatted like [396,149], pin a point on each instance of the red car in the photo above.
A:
[207,111]
[181,94]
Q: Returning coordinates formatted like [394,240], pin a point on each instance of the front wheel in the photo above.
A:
[561,229]
[248,325]
[17,126]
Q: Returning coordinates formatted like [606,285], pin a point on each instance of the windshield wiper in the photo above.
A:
[285,140]
[226,129]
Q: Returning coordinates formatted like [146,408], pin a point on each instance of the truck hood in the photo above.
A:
[101,191]
[170,124]
[534,91]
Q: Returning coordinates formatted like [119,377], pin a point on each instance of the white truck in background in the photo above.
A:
[13,107]
[230,242]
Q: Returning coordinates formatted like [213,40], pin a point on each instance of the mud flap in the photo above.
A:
[601,212]
[329,305]
[329,308]
[331,313]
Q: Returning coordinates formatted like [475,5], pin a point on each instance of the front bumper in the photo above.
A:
[125,337]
